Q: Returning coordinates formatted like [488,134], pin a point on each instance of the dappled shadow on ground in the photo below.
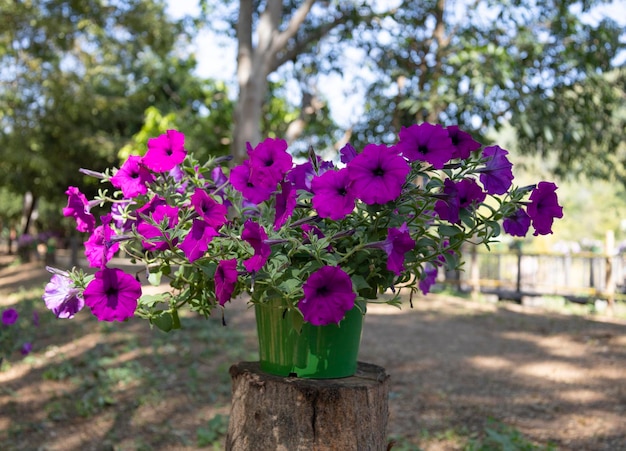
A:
[453,364]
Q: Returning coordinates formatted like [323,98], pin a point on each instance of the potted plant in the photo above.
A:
[311,242]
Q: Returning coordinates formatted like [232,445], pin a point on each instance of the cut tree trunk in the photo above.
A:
[295,414]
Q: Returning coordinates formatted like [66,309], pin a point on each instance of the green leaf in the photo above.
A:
[154,278]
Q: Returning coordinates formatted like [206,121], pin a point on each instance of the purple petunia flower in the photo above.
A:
[333,195]
[62,297]
[211,211]
[269,162]
[428,279]
[225,280]
[302,174]
[462,141]
[426,142]
[112,295]
[26,348]
[78,207]
[286,201]
[328,295]
[398,243]
[197,240]
[242,180]
[544,207]
[348,153]
[256,236]
[497,175]
[377,174]
[132,178]
[458,195]
[9,316]
[99,249]
[517,224]
[165,151]
[154,237]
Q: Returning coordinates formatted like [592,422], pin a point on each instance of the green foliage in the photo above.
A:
[505,438]
[214,432]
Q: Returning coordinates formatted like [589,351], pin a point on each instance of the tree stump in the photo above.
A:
[287,413]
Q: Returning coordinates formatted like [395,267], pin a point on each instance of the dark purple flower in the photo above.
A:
[242,180]
[286,201]
[78,207]
[309,229]
[348,153]
[165,151]
[333,195]
[26,348]
[544,207]
[255,235]
[302,174]
[428,279]
[112,295]
[398,243]
[132,178]
[197,240]
[9,316]
[62,297]
[149,208]
[426,142]
[99,248]
[154,237]
[462,141]
[377,174]
[225,280]
[517,224]
[458,195]
[211,211]
[328,295]
[497,175]
[269,162]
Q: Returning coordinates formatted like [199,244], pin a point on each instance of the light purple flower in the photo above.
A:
[62,297]
[377,174]
[286,201]
[497,175]
[256,236]
[426,142]
[9,316]
[112,295]
[517,224]
[544,207]
[26,348]
[225,280]
[165,151]
[197,240]
[328,295]
[78,207]
[333,195]
[132,178]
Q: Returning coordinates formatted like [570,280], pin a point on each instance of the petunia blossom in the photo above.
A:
[165,151]
[426,142]
[377,174]
[517,224]
[544,207]
[256,237]
[333,196]
[286,201]
[154,237]
[132,178]
[428,279]
[211,211]
[458,195]
[9,316]
[397,244]
[497,175]
[112,295]
[197,240]
[301,175]
[462,141]
[348,153]
[242,180]
[225,280]
[78,207]
[328,295]
[99,248]
[269,162]
[62,297]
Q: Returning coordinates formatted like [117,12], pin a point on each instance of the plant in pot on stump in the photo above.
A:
[312,243]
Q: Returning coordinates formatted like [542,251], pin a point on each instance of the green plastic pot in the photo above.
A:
[291,348]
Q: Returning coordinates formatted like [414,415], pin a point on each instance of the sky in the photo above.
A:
[216,57]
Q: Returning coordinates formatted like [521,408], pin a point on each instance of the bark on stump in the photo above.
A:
[295,414]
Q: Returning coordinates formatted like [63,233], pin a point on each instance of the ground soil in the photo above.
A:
[456,367]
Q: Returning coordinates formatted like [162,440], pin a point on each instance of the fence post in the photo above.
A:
[609,277]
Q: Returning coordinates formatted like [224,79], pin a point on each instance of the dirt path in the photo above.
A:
[455,365]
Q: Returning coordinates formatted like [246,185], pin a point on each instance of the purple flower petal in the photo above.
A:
[132,178]
[78,207]
[165,152]
[112,295]
[544,207]
[426,142]
[286,201]
[328,295]
[497,175]
[517,224]
[256,236]
[62,297]
[197,240]
[333,195]
[9,316]
[225,280]
[398,243]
